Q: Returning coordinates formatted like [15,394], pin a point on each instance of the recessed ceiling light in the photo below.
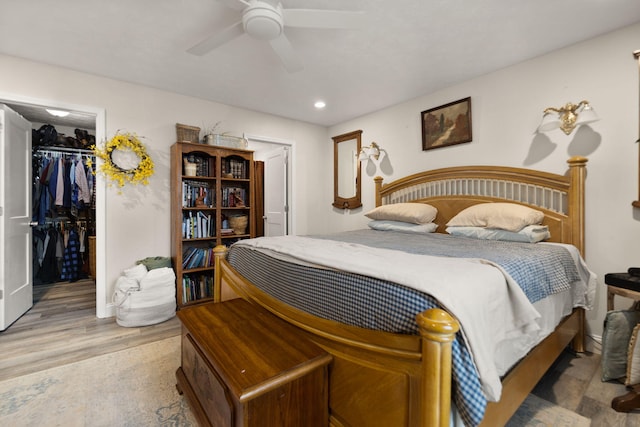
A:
[319,105]
[57,113]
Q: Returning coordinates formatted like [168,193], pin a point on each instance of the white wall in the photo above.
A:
[138,219]
[506,109]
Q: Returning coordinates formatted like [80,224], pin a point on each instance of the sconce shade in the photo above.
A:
[550,121]
[374,151]
[363,156]
[587,115]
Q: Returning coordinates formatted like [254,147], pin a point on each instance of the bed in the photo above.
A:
[379,377]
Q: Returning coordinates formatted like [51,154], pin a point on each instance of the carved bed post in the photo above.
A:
[578,173]
[219,253]
[437,329]
[378,181]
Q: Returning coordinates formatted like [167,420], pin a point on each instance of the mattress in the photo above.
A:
[373,302]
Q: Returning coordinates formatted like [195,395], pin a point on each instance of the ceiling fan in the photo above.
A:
[266,20]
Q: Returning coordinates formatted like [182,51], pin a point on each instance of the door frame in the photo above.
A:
[256,143]
[101,212]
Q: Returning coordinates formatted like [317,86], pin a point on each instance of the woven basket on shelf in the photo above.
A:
[187,133]
[239,223]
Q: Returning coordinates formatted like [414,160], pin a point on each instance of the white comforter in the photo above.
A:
[489,305]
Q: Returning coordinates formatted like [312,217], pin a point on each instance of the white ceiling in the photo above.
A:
[407,48]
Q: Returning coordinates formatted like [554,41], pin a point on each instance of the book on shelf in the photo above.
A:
[193,257]
[234,197]
[205,165]
[195,287]
[198,225]
[187,256]
[196,194]
[235,167]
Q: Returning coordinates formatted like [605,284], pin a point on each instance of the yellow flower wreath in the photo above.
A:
[130,144]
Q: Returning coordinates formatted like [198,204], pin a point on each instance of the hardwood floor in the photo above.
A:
[574,382]
[62,328]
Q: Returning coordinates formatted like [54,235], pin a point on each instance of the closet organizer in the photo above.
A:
[64,210]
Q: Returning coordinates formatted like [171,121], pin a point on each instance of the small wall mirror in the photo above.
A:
[346,170]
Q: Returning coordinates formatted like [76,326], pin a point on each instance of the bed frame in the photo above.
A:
[379,378]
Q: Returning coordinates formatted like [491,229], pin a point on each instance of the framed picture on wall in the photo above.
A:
[448,124]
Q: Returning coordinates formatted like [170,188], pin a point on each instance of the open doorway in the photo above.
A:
[80,117]
[278,156]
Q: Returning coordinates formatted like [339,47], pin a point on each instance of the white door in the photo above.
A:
[275,192]
[16,283]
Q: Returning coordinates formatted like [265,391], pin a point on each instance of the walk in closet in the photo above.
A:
[49,232]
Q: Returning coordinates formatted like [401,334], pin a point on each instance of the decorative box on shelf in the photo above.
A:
[186,133]
[226,141]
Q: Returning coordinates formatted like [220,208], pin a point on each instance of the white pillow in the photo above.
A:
[529,234]
[416,213]
[506,216]
[404,227]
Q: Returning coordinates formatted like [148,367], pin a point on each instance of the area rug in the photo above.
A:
[132,387]
[536,412]
[136,387]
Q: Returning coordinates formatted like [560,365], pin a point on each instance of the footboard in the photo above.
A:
[376,378]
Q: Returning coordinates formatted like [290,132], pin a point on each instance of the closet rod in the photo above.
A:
[52,150]
[65,221]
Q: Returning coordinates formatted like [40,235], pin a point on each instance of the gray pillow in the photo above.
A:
[618,327]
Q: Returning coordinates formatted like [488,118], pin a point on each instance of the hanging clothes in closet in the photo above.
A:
[71,260]
[63,184]
[60,252]
[63,206]
[46,266]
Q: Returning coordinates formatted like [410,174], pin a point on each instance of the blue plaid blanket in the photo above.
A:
[539,270]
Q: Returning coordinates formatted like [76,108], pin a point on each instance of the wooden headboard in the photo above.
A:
[560,197]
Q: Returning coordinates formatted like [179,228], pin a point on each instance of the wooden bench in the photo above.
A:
[243,366]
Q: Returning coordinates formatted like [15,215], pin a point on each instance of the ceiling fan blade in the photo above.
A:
[284,50]
[316,18]
[235,4]
[217,39]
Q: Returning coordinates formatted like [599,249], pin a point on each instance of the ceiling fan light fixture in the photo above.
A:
[266,20]
[263,21]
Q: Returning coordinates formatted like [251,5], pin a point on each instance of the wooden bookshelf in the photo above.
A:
[211,190]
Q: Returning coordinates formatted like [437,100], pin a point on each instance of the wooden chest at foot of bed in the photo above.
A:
[242,366]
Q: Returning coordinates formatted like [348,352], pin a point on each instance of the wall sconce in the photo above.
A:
[369,152]
[567,117]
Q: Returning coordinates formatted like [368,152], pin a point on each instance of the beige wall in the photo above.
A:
[506,109]
[138,219]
